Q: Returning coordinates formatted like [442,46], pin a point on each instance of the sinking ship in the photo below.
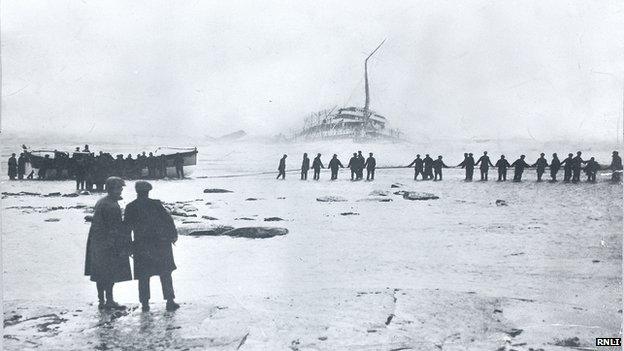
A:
[357,123]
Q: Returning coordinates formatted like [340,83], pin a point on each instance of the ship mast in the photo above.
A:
[366,89]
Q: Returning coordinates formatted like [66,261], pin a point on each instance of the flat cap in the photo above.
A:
[112,181]
[142,186]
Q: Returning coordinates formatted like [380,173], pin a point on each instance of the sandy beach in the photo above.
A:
[372,272]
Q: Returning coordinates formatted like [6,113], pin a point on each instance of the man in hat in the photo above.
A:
[438,164]
[541,165]
[555,164]
[305,166]
[370,165]
[154,233]
[281,168]
[519,166]
[418,167]
[502,164]
[485,163]
[12,167]
[334,165]
[317,164]
[21,166]
[353,165]
[108,246]
[428,167]
[616,167]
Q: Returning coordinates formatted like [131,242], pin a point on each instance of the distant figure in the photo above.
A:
[591,168]
[334,165]
[418,167]
[616,167]
[502,164]
[541,165]
[437,168]
[555,164]
[576,167]
[154,233]
[12,167]
[519,166]
[86,149]
[305,166]
[79,171]
[282,168]
[317,164]
[162,165]
[428,167]
[468,164]
[21,166]
[485,165]
[108,246]
[44,167]
[567,164]
[360,166]
[370,165]
[353,166]
[151,166]
[178,163]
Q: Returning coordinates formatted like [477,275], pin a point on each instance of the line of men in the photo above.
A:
[89,169]
[357,164]
[429,169]
[572,167]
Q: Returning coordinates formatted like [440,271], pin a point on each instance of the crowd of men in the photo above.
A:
[91,170]
[428,168]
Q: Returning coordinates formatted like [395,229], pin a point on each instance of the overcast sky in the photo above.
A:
[477,69]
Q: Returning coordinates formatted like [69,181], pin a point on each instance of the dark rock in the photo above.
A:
[413,195]
[379,193]
[182,214]
[595,261]
[400,192]
[273,219]
[349,214]
[281,198]
[375,199]
[331,199]
[216,191]
[52,194]
[397,185]
[514,332]
[573,342]
[244,219]
[257,232]
[204,230]
[501,203]
[210,218]
[53,220]
[88,218]
[71,195]
[190,222]
[251,199]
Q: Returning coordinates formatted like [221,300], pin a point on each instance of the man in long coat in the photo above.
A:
[317,164]
[334,165]
[12,167]
[360,165]
[541,165]
[281,168]
[418,166]
[577,165]
[21,166]
[485,165]
[555,164]
[353,165]
[370,165]
[519,166]
[154,233]
[502,165]
[616,167]
[567,164]
[428,167]
[108,246]
[305,167]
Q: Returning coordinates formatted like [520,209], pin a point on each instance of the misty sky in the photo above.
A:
[470,69]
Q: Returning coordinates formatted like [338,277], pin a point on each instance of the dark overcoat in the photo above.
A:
[108,244]
[154,232]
